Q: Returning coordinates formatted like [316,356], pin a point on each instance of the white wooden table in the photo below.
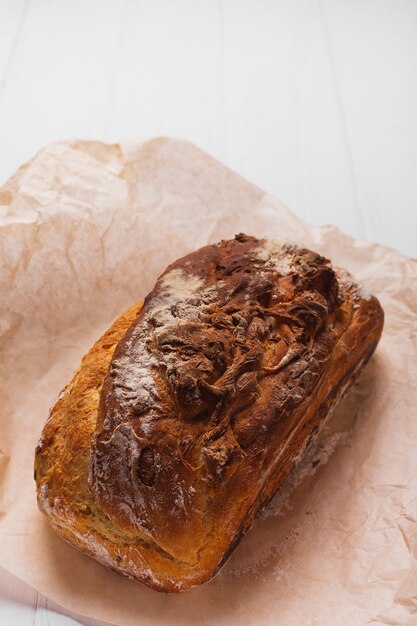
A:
[313,100]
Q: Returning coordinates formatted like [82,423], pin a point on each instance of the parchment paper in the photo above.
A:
[85,230]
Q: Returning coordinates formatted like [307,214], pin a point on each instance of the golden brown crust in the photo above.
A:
[188,413]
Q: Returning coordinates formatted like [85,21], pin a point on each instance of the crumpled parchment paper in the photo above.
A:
[85,229]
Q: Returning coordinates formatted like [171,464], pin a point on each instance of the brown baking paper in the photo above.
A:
[85,230]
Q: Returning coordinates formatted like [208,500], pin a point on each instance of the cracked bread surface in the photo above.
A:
[186,416]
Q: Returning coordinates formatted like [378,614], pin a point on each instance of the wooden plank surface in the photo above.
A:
[313,100]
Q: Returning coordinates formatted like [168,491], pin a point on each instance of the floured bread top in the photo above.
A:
[220,350]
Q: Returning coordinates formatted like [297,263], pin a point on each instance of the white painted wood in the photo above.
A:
[59,77]
[374,50]
[313,100]
[12,18]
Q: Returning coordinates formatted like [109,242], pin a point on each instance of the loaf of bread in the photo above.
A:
[186,416]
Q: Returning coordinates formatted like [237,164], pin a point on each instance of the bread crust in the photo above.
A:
[186,416]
